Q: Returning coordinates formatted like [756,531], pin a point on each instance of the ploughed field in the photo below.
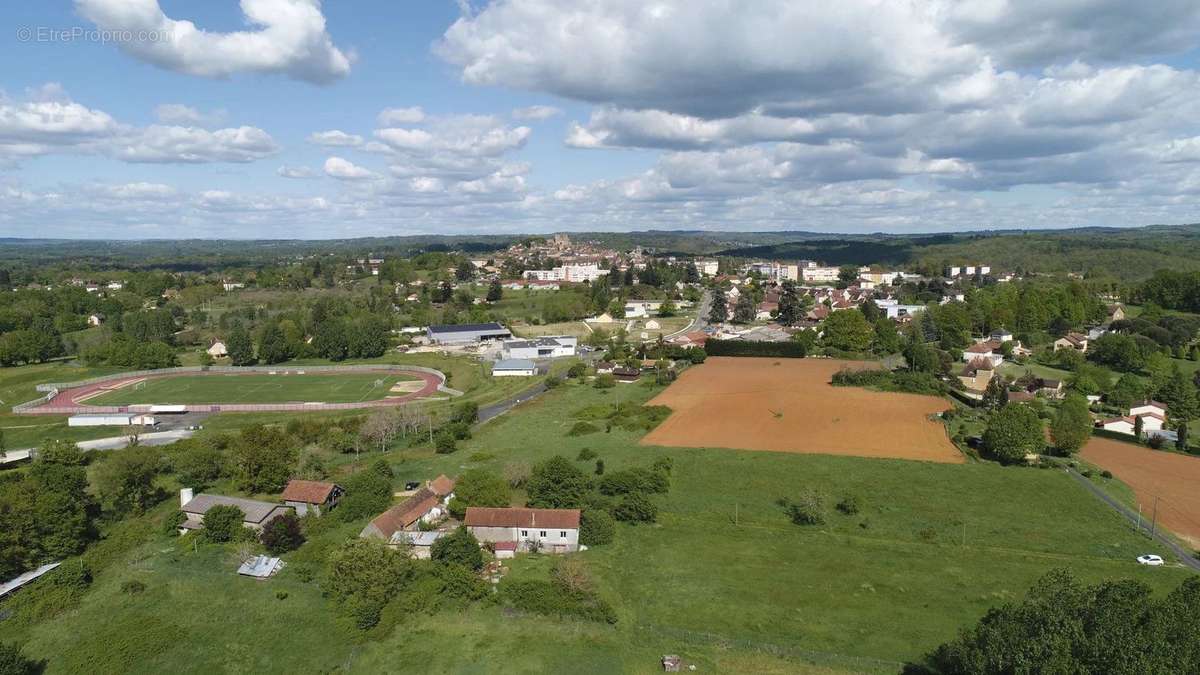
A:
[1173,478]
[788,405]
[256,388]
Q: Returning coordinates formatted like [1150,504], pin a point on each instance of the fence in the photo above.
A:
[52,389]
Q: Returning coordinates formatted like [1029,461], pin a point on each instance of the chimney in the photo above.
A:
[185,496]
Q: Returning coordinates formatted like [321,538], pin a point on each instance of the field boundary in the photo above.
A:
[71,394]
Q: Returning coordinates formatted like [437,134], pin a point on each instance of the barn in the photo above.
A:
[467,333]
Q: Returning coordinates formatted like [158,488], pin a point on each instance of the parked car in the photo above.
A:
[1150,559]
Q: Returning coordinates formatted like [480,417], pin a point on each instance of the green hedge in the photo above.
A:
[790,350]
[886,380]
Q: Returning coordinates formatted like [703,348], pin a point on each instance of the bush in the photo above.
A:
[444,442]
[585,454]
[886,380]
[582,429]
[634,480]
[173,522]
[663,465]
[478,487]
[553,598]
[459,548]
[223,523]
[596,527]
[791,350]
[553,381]
[1106,474]
[281,595]
[367,494]
[282,534]
[13,662]
[808,508]
[850,505]
[458,581]
[1156,442]
[605,381]
[131,587]
[636,507]
[577,369]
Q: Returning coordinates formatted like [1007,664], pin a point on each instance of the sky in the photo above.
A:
[218,119]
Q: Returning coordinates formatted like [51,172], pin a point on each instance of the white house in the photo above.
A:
[547,530]
[894,310]
[541,348]
[1149,407]
[571,273]
[514,368]
[217,349]
[640,308]
[987,349]
[95,319]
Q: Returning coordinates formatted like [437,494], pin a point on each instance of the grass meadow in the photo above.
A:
[723,579]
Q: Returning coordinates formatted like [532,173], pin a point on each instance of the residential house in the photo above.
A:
[986,349]
[605,367]
[976,376]
[420,543]
[1115,313]
[546,530]
[389,526]
[255,513]
[624,374]
[217,349]
[1048,387]
[95,319]
[1151,407]
[311,495]
[1075,341]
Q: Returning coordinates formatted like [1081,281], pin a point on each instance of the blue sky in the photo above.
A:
[268,118]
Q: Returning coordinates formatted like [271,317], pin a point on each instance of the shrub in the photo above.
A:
[552,598]
[444,442]
[281,595]
[599,471]
[1106,474]
[458,581]
[715,347]
[596,527]
[557,484]
[577,369]
[605,381]
[132,587]
[634,480]
[850,505]
[1156,442]
[585,454]
[636,507]
[13,662]
[553,381]
[459,548]
[582,429]
[808,508]
[172,522]
[223,523]
[282,534]
[663,465]
[367,493]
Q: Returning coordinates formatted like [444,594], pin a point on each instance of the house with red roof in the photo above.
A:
[524,529]
[311,496]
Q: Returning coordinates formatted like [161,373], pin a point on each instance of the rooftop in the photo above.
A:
[514,364]
[307,491]
[493,517]
[468,327]
[255,511]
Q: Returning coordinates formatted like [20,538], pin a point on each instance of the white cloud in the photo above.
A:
[536,112]
[295,172]
[289,37]
[177,113]
[393,116]
[342,169]
[335,138]
[158,143]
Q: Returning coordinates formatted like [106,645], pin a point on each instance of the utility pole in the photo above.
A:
[1154,521]
[1139,522]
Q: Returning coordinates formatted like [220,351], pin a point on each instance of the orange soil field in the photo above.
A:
[788,405]
[1175,479]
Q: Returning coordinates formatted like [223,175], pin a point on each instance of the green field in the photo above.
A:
[347,387]
[724,578]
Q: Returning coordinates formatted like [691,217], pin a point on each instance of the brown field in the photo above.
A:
[788,405]
[1154,473]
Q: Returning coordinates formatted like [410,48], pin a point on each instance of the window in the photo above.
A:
[524,533]
[563,534]
[543,534]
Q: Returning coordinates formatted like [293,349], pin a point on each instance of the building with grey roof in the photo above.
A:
[514,368]
[467,333]
[256,513]
[541,348]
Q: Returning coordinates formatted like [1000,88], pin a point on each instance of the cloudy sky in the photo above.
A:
[292,118]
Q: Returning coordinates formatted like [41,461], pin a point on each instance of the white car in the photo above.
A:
[1150,559]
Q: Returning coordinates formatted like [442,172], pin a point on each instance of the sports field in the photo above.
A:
[788,405]
[254,388]
[1171,478]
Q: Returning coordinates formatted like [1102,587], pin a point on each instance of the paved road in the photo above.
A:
[496,409]
[1188,558]
[110,443]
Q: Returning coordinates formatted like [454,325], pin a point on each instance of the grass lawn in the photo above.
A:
[577,329]
[255,388]
[1016,370]
[723,579]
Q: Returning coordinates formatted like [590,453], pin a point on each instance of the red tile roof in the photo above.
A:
[307,491]
[552,518]
[405,513]
[442,485]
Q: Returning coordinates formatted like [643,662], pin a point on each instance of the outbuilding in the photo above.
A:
[255,513]
[514,368]
[541,348]
[311,495]
[467,333]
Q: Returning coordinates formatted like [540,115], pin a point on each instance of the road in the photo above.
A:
[110,443]
[1188,558]
[699,321]
[496,409]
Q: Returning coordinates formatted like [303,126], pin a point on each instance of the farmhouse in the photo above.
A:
[546,530]
[467,333]
[389,526]
[256,513]
[541,348]
[311,495]
[605,367]
[514,368]
[217,349]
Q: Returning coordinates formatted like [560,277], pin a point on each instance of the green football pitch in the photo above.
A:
[257,388]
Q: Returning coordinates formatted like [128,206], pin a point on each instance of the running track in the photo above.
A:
[73,401]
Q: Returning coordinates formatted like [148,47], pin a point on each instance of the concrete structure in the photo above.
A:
[260,567]
[547,530]
[570,273]
[311,495]
[111,420]
[549,347]
[821,275]
[421,543]
[467,333]
[256,513]
[707,268]
[777,272]
[514,368]
[894,310]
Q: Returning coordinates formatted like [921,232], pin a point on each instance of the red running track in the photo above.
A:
[72,401]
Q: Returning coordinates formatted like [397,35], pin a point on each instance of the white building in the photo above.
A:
[894,310]
[217,349]
[514,368]
[639,309]
[707,268]
[821,274]
[113,420]
[547,530]
[541,348]
[777,272]
[571,273]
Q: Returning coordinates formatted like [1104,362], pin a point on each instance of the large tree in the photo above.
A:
[273,345]
[718,311]
[1072,425]
[744,310]
[239,347]
[848,330]
[264,458]
[1013,432]
[557,484]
